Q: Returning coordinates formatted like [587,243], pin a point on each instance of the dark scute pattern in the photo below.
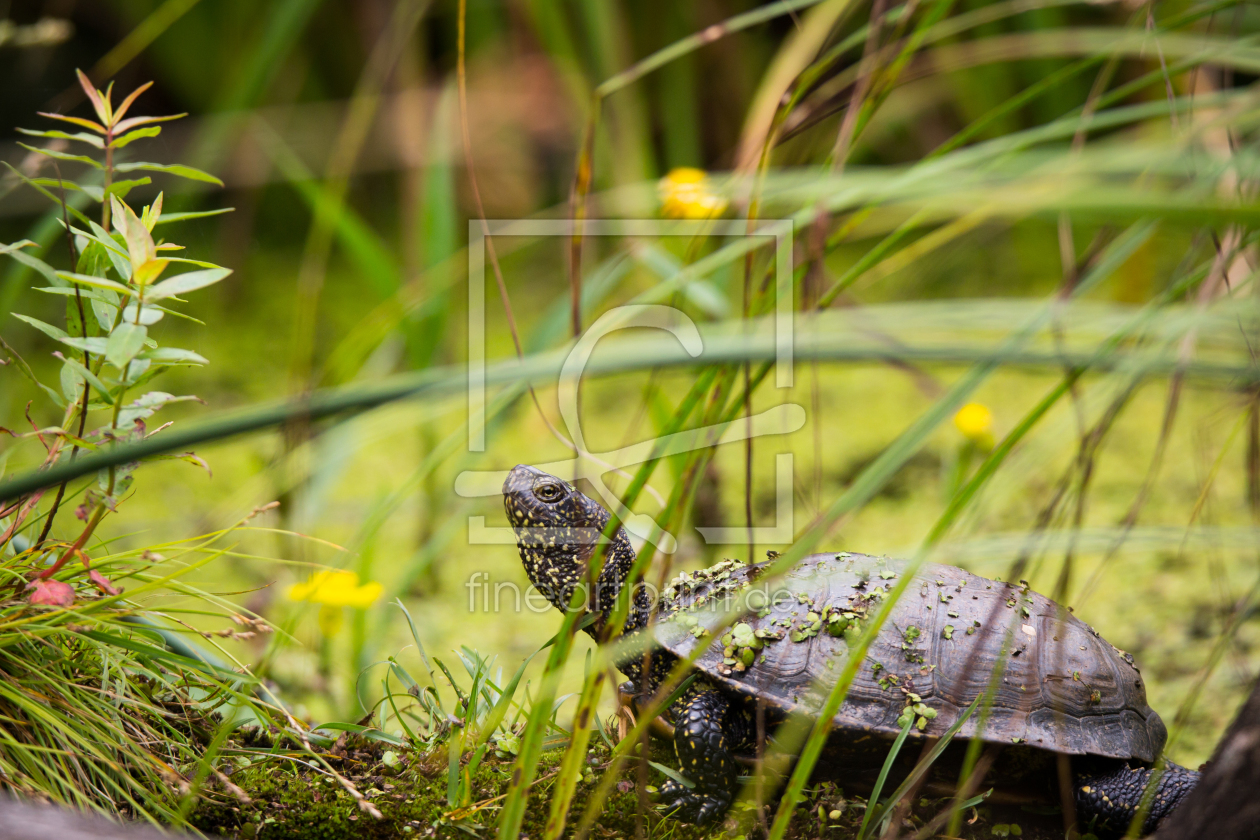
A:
[1063,688]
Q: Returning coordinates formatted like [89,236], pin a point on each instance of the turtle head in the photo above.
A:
[557,528]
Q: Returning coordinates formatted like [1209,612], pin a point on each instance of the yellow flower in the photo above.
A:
[975,421]
[333,588]
[685,194]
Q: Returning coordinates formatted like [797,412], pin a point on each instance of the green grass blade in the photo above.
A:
[891,459]
[872,804]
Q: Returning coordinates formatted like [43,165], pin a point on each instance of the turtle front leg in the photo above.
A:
[703,741]
[1108,801]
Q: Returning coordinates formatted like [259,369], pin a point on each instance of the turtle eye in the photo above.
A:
[548,492]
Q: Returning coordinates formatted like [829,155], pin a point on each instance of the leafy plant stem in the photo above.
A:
[97,514]
[109,175]
[82,406]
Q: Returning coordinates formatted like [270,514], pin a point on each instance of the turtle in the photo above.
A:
[1061,689]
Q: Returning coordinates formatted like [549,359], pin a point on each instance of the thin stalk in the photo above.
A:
[87,362]
[577,213]
[895,455]
[693,42]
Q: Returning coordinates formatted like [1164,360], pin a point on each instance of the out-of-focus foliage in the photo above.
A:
[1033,218]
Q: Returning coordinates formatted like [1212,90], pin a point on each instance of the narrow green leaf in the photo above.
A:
[187,261]
[500,710]
[139,133]
[370,732]
[124,343]
[33,262]
[104,304]
[928,760]
[15,246]
[92,379]
[62,155]
[145,315]
[47,329]
[454,752]
[183,283]
[144,406]
[416,638]
[115,250]
[474,762]
[872,804]
[71,383]
[106,312]
[110,241]
[97,282]
[80,136]
[65,183]
[671,773]
[163,655]
[405,678]
[26,371]
[121,188]
[95,344]
[174,356]
[177,169]
[167,218]
[56,200]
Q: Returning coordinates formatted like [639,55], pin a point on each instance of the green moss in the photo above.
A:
[288,801]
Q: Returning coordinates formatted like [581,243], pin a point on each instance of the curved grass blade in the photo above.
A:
[872,804]
[893,457]
[928,760]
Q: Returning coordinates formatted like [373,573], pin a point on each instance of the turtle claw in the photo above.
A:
[693,806]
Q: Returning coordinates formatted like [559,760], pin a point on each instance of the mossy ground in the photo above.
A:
[288,801]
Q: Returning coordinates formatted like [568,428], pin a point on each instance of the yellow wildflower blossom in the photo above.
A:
[333,588]
[685,194]
[975,421]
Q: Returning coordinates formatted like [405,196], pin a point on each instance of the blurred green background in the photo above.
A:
[298,104]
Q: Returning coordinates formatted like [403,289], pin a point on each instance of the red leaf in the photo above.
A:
[52,593]
[103,583]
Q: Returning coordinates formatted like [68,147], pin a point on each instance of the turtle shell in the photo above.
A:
[1061,687]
